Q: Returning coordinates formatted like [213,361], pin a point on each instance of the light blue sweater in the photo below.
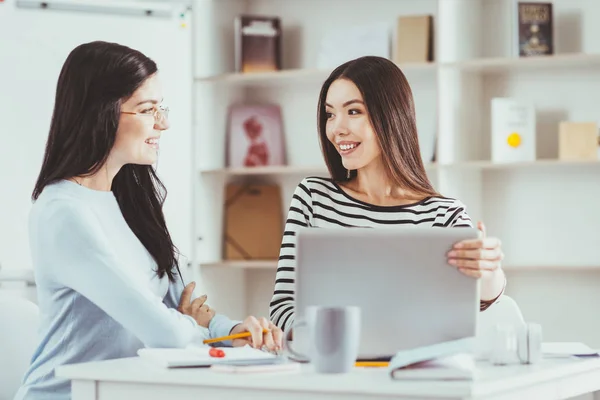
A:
[98,293]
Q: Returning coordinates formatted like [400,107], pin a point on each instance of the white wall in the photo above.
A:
[30,64]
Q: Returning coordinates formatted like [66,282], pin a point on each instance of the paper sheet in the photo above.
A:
[567,349]
[198,356]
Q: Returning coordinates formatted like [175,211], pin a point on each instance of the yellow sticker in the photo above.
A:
[514,139]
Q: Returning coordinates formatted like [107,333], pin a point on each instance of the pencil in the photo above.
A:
[231,337]
[372,364]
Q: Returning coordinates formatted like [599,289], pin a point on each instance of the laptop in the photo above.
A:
[409,296]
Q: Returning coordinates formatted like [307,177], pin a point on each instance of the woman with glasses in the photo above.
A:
[106,269]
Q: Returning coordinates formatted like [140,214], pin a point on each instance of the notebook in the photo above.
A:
[449,360]
[455,367]
[198,356]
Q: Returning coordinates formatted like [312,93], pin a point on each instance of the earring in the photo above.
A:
[348,174]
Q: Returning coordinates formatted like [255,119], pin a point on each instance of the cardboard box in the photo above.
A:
[253,222]
[414,39]
[578,141]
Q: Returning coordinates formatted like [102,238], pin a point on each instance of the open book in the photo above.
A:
[449,360]
[456,367]
[198,356]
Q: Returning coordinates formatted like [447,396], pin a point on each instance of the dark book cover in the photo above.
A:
[536,35]
[258,43]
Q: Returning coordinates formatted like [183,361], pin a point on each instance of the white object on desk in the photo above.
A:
[504,312]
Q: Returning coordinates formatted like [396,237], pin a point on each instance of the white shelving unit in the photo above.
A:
[545,212]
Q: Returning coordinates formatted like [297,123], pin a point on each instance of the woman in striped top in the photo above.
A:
[368,134]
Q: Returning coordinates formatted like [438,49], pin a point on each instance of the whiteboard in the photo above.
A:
[34,44]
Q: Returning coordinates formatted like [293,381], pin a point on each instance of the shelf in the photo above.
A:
[266,77]
[290,75]
[316,170]
[276,170]
[527,63]
[268,170]
[490,165]
[500,64]
[242,264]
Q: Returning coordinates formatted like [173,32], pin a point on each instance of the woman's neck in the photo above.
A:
[373,185]
[100,180]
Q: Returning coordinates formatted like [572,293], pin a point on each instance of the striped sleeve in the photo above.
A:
[281,310]
[457,216]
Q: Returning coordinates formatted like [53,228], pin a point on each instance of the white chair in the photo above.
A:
[504,312]
[19,319]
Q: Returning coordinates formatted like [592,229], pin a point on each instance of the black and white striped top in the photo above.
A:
[320,202]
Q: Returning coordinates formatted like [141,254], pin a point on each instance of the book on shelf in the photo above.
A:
[255,136]
[414,39]
[535,29]
[257,43]
[342,44]
[513,131]
[253,222]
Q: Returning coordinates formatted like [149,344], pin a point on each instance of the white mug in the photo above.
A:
[334,338]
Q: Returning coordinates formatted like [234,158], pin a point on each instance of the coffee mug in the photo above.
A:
[334,338]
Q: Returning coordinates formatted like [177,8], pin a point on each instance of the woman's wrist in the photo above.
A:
[492,285]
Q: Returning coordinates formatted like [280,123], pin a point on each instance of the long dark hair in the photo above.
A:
[390,106]
[95,80]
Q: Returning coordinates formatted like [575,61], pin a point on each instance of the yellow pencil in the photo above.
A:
[231,337]
[372,364]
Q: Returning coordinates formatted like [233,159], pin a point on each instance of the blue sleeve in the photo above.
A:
[80,257]
[219,326]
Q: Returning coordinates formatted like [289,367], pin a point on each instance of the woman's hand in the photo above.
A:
[272,339]
[477,258]
[196,309]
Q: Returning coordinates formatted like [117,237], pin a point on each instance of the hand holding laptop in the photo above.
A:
[477,257]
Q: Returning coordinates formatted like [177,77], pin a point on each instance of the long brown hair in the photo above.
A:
[95,79]
[390,106]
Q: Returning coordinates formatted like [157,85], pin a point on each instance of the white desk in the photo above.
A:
[131,378]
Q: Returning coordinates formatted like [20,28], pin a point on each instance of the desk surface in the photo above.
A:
[570,376]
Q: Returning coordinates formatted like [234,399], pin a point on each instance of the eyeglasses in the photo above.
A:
[160,114]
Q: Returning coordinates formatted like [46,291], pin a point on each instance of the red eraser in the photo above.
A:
[214,352]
